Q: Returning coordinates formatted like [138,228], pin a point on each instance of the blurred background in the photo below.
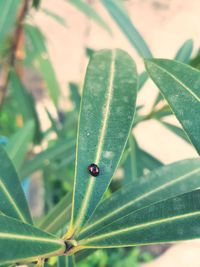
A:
[44,51]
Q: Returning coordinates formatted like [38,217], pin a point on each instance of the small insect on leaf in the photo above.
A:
[93,169]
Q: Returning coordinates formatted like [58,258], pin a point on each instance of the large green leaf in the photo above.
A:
[20,242]
[125,24]
[106,116]
[13,202]
[163,183]
[179,83]
[18,144]
[90,12]
[170,220]
[8,16]
[37,51]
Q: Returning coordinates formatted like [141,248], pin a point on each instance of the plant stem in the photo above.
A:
[14,47]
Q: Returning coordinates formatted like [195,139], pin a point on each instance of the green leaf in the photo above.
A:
[13,202]
[9,9]
[143,77]
[36,48]
[26,242]
[137,162]
[183,54]
[185,51]
[106,117]
[125,24]
[22,97]
[55,126]
[170,220]
[25,102]
[130,164]
[62,148]
[179,83]
[36,4]
[58,217]
[74,95]
[18,144]
[160,184]
[90,12]
[147,162]
[55,16]
[66,261]
[175,129]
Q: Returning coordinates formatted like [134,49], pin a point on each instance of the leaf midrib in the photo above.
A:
[29,238]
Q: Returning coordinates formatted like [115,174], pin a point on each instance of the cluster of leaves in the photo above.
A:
[158,207]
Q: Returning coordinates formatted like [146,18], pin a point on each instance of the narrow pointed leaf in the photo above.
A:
[55,16]
[179,83]
[138,162]
[130,164]
[9,9]
[175,129]
[58,217]
[66,261]
[171,220]
[125,24]
[185,51]
[58,150]
[160,184]
[26,242]
[18,144]
[23,98]
[143,77]
[106,116]
[90,12]
[37,51]
[13,202]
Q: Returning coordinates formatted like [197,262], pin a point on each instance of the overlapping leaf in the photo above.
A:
[170,220]
[20,242]
[106,116]
[163,183]
[13,202]
[179,84]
